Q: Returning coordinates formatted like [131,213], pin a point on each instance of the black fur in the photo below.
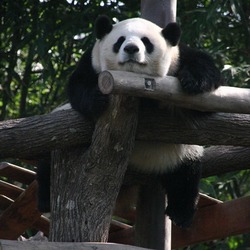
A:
[103,26]
[197,72]
[182,188]
[83,91]
[172,33]
[147,43]
[118,44]
[43,179]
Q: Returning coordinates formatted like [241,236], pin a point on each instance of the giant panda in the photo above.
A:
[140,46]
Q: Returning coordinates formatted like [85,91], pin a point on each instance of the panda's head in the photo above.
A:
[136,45]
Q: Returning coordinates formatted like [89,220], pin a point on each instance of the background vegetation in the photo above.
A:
[42,40]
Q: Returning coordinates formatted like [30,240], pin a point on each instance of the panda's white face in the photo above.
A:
[135,45]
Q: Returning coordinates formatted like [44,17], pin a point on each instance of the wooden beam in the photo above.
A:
[34,245]
[42,224]
[215,222]
[124,236]
[10,190]
[17,173]
[21,215]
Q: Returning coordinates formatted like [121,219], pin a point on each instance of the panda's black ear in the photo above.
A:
[172,33]
[103,26]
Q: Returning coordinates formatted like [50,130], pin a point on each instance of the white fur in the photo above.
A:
[158,157]
[147,156]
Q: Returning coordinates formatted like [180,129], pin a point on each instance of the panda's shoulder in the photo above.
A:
[86,58]
[190,55]
[85,62]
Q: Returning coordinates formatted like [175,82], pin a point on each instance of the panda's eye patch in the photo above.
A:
[149,46]
[118,44]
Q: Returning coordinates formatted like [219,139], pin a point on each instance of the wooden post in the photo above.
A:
[151,223]
[85,183]
[160,12]
[153,228]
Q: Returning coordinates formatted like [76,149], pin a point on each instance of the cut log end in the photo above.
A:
[106,82]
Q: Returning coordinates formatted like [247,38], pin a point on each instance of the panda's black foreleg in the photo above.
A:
[43,179]
[182,188]
[197,71]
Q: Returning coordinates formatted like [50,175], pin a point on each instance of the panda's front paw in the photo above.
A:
[196,83]
[190,84]
[181,217]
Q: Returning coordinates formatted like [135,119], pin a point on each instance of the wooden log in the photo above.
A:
[97,173]
[38,245]
[211,129]
[220,160]
[214,129]
[168,89]
[215,222]
[68,129]
[26,138]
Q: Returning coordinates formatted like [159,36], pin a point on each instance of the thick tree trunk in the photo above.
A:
[85,183]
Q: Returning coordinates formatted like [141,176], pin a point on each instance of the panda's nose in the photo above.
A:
[131,49]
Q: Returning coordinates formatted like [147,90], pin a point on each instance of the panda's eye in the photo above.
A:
[118,44]
[149,46]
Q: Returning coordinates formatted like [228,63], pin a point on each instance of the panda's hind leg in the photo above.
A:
[182,188]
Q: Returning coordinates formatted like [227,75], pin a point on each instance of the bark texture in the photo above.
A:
[85,183]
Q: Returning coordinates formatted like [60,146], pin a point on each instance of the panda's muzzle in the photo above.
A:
[131,49]
[132,55]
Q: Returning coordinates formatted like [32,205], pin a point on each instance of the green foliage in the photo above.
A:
[221,27]
[42,40]
[228,186]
